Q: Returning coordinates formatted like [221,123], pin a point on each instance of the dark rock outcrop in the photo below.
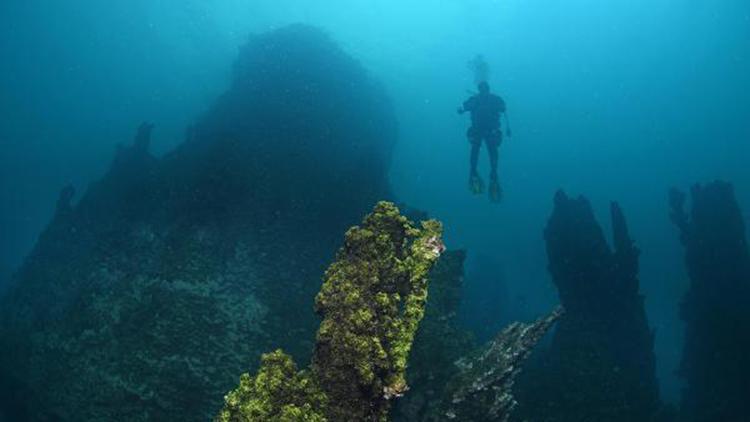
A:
[449,377]
[170,276]
[716,309]
[600,364]
[483,388]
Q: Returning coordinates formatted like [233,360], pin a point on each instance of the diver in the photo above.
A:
[486,109]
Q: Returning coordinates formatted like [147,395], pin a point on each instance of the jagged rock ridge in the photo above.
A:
[483,387]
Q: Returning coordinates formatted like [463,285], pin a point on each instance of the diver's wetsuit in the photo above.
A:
[485,110]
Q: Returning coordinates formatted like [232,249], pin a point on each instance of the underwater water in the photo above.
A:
[180,254]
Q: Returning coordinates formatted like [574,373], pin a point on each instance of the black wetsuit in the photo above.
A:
[485,110]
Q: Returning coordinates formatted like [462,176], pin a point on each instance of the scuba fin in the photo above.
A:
[476,184]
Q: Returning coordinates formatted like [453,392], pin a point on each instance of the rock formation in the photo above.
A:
[170,276]
[439,342]
[600,364]
[716,309]
[371,302]
[483,388]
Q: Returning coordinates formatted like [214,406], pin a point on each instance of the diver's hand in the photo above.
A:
[509,133]
[460,110]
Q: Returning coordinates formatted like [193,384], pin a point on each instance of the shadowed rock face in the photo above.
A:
[170,276]
[600,364]
[716,309]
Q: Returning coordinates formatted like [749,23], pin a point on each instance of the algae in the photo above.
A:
[371,301]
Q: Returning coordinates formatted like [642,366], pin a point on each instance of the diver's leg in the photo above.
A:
[475,182]
[474,159]
[476,185]
[494,139]
[493,144]
[492,148]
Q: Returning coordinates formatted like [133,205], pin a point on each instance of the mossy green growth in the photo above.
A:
[372,300]
[277,393]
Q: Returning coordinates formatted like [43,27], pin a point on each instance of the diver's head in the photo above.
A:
[484,87]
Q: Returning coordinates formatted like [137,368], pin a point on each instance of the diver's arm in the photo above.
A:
[467,106]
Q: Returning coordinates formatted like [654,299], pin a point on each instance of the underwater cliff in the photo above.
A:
[170,276]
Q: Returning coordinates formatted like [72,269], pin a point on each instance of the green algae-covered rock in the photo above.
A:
[277,393]
[371,301]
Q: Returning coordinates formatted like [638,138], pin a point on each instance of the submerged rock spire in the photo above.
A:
[716,309]
[371,301]
[600,364]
